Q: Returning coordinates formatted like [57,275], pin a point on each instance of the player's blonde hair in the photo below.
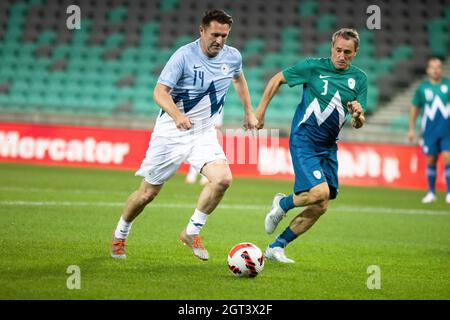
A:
[347,34]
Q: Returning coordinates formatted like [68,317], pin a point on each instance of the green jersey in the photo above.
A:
[434,100]
[326,90]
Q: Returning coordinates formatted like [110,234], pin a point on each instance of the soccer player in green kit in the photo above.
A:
[432,98]
[332,87]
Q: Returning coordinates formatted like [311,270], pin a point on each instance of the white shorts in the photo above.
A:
[219,119]
[165,155]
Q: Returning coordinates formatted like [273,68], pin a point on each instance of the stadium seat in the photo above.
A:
[112,63]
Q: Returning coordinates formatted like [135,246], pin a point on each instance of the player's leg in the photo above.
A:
[299,225]
[137,201]
[134,205]
[444,148]
[316,195]
[446,158]
[328,191]
[162,161]
[315,199]
[219,176]
[281,204]
[431,179]
[430,148]
[308,217]
[310,187]
[207,157]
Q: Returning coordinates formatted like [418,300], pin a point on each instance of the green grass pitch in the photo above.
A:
[54,217]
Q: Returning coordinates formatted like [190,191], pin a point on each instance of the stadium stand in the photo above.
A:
[107,69]
[390,123]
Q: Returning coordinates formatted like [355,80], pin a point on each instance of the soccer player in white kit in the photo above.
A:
[190,92]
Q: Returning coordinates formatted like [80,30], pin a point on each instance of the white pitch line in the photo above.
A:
[118,204]
[363,209]
[59,203]
[341,208]
[80,191]
[72,191]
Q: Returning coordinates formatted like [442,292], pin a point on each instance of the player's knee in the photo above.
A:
[322,207]
[223,182]
[320,195]
[316,210]
[147,196]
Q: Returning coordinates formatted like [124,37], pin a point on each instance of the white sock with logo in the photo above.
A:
[196,222]
[123,229]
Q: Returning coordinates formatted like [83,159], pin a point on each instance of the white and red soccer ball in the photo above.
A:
[245,260]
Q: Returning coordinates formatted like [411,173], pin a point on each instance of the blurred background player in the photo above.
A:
[332,88]
[190,91]
[192,174]
[432,99]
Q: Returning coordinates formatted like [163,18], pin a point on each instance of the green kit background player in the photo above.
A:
[432,99]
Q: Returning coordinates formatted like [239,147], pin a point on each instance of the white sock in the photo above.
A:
[196,222]
[123,228]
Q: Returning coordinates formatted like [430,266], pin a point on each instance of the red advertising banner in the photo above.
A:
[264,156]
[72,145]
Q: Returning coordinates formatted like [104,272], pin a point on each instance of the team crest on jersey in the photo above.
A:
[444,88]
[351,83]
[428,94]
[225,69]
[317,174]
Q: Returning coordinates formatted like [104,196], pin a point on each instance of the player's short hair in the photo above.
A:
[347,34]
[434,59]
[216,15]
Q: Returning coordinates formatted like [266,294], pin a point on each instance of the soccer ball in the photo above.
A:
[245,260]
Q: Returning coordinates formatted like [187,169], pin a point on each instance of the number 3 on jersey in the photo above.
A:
[201,76]
[325,87]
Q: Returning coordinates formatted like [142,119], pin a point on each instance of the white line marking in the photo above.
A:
[363,209]
[78,191]
[263,209]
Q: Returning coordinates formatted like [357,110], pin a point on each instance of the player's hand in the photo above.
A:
[183,123]
[250,121]
[354,107]
[411,135]
[260,118]
[358,119]
[358,122]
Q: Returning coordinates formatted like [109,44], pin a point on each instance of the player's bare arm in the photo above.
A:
[358,119]
[269,92]
[162,97]
[413,114]
[241,87]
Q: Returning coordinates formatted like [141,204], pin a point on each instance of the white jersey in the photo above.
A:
[199,86]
